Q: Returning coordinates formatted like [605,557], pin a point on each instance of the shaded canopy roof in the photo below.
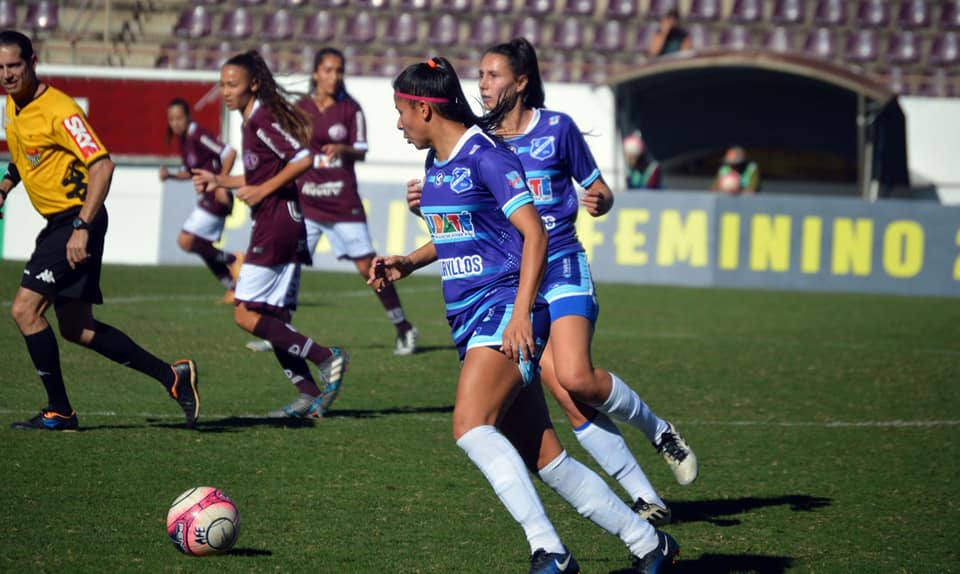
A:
[691,103]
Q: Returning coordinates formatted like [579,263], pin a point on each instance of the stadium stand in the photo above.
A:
[577,39]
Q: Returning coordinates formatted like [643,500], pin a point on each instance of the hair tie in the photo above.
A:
[432,63]
[429,99]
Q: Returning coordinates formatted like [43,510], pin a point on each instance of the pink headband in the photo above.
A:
[429,99]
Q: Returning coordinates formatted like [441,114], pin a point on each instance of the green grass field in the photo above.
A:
[826,425]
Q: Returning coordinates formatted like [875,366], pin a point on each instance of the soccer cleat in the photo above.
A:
[660,559]
[543,562]
[678,454]
[185,391]
[651,512]
[260,346]
[301,407]
[49,420]
[407,343]
[331,373]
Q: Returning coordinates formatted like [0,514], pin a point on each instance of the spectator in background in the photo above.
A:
[670,37]
[643,172]
[737,174]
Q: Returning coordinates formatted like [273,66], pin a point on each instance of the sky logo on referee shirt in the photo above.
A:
[81,135]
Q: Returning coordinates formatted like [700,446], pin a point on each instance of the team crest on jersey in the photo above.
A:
[337,132]
[33,156]
[250,160]
[516,180]
[460,180]
[449,225]
[554,120]
[542,148]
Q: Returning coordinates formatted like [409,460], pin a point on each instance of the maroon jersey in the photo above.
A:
[200,149]
[278,235]
[328,191]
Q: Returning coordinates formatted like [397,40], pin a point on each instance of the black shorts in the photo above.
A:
[48,271]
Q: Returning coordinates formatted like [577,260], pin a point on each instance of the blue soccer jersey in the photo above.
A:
[467,202]
[553,151]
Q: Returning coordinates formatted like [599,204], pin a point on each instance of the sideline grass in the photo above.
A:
[789,400]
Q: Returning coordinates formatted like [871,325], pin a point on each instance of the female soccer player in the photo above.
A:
[275,136]
[490,243]
[553,151]
[200,149]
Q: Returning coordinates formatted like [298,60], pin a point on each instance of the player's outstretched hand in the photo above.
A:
[596,201]
[386,270]
[203,180]
[251,194]
[414,191]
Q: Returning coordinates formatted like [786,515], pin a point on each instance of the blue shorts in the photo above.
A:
[568,287]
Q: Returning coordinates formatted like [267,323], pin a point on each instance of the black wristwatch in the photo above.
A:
[79,223]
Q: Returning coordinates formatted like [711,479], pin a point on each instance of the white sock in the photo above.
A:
[593,499]
[603,441]
[499,461]
[624,404]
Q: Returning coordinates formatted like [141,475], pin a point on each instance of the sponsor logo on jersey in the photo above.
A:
[450,225]
[554,120]
[80,133]
[474,149]
[541,188]
[327,189]
[542,148]
[457,267]
[438,179]
[33,156]
[290,139]
[460,181]
[211,144]
[337,132]
[516,180]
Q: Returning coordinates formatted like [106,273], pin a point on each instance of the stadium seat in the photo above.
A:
[595,70]
[579,7]
[371,5]
[237,24]
[937,84]
[621,9]
[704,11]
[789,12]
[361,28]
[301,60]
[538,7]
[216,56]
[747,11]
[557,67]
[181,56]
[485,31]
[528,27]
[735,37]
[468,65]
[778,40]
[914,14]
[895,81]
[820,43]
[455,6]
[8,14]
[277,25]
[830,13]
[699,36]
[568,34]
[194,22]
[945,50]
[497,6]
[208,2]
[42,16]
[444,31]
[950,15]
[660,7]
[904,48]
[294,3]
[862,46]
[387,64]
[642,32]
[319,27]
[873,13]
[401,29]
[333,3]
[609,36]
[249,2]
[270,56]
[413,5]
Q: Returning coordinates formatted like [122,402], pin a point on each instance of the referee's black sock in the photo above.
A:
[118,347]
[45,354]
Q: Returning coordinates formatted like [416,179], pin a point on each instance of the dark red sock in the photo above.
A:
[217,261]
[284,337]
[298,371]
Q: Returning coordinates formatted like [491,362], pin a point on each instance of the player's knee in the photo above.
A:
[580,384]
[23,314]
[73,333]
[244,318]
[185,241]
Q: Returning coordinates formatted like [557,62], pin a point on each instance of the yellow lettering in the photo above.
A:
[587,231]
[810,248]
[852,246]
[956,266]
[397,215]
[729,241]
[682,242]
[903,249]
[628,240]
[770,243]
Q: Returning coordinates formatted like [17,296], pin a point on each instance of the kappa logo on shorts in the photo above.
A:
[81,135]
[46,276]
[542,148]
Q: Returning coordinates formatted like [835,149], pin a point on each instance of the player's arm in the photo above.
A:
[598,199]
[227,161]
[98,185]
[10,181]
[518,335]
[386,270]
[254,194]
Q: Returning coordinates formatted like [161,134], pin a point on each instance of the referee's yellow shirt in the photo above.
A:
[52,146]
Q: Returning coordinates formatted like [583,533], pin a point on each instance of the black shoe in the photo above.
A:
[185,390]
[543,562]
[660,559]
[49,420]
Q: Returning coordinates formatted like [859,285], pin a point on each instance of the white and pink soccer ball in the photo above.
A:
[203,521]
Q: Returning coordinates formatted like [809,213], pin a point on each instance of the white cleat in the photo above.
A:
[260,346]
[678,455]
[407,343]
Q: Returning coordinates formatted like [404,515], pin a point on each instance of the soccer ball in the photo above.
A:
[203,521]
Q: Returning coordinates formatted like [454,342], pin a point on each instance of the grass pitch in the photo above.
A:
[826,425]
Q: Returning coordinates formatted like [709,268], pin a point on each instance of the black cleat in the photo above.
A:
[185,390]
[49,420]
[652,512]
[659,560]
